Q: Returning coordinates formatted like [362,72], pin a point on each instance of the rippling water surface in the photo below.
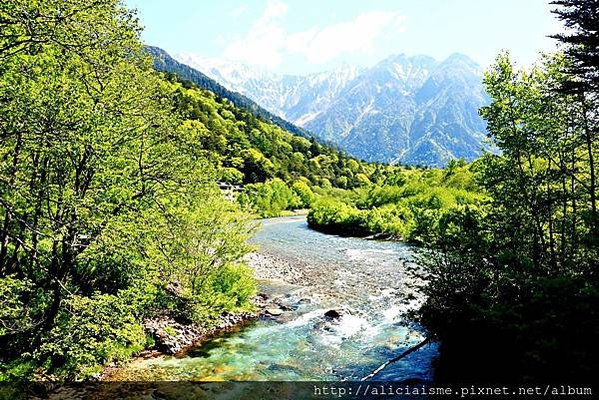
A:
[364,279]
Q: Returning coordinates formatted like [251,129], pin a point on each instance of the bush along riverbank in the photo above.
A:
[170,334]
[409,204]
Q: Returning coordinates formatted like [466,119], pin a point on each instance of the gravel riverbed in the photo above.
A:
[328,307]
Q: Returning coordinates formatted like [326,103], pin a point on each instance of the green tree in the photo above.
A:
[582,76]
[103,190]
[523,264]
[270,198]
[305,194]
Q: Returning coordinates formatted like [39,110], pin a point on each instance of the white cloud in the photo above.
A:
[238,11]
[268,41]
[263,43]
[274,9]
[356,36]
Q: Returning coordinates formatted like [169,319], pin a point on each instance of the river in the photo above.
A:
[366,281]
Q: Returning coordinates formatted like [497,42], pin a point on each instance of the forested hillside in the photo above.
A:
[165,63]
[280,170]
[246,149]
[109,212]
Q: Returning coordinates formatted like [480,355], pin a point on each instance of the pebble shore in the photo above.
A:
[291,282]
[174,338]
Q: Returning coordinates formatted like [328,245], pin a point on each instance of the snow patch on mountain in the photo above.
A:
[413,110]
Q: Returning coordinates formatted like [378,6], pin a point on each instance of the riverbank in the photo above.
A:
[329,308]
[170,337]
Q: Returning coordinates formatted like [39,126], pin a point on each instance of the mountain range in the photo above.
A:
[410,110]
[163,62]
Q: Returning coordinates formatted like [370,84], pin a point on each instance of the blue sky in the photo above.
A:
[304,36]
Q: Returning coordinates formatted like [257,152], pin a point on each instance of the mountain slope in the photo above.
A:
[409,110]
[246,149]
[413,110]
[447,124]
[165,63]
[295,98]
[237,139]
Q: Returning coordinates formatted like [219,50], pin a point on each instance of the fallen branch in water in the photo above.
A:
[394,359]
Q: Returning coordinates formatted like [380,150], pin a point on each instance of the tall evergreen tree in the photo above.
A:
[581,18]
[581,40]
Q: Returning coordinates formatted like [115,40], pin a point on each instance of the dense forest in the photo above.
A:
[279,170]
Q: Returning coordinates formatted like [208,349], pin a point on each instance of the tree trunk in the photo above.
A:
[7,212]
[588,136]
[395,359]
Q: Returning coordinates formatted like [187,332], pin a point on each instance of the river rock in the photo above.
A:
[275,312]
[332,314]
[172,337]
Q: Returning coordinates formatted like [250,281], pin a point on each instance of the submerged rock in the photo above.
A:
[333,314]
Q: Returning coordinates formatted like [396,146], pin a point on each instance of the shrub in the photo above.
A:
[90,332]
[334,216]
[233,287]
[269,199]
